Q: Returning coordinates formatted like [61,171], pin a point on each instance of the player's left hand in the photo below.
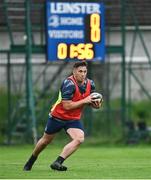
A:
[96,104]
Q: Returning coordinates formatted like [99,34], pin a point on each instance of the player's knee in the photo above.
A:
[80,140]
[45,142]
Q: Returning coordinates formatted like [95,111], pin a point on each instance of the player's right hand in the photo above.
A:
[87,100]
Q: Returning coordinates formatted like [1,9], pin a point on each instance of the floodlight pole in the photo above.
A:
[9,98]
[123,99]
[30,96]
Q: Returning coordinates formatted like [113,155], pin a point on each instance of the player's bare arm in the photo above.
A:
[69,104]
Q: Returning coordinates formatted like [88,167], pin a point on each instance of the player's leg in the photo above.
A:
[52,127]
[41,144]
[77,136]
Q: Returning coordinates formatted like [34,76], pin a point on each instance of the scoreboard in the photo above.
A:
[75,30]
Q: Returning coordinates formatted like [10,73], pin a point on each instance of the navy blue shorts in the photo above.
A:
[54,125]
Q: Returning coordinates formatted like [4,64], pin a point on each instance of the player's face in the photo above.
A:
[80,74]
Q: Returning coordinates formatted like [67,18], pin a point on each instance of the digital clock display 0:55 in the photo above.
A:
[79,51]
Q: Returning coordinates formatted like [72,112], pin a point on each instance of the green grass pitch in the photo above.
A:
[88,162]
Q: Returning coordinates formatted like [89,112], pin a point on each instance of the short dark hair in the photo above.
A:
[80,63]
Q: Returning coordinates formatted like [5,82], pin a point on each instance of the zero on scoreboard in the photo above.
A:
[75,30]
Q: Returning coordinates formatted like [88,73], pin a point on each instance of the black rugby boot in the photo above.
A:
[58,166]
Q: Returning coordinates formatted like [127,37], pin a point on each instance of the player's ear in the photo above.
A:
[86,71]
[74,71]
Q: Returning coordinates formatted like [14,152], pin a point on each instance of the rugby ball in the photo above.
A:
[96,96]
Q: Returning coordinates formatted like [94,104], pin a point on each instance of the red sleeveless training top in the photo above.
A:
[75,114]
